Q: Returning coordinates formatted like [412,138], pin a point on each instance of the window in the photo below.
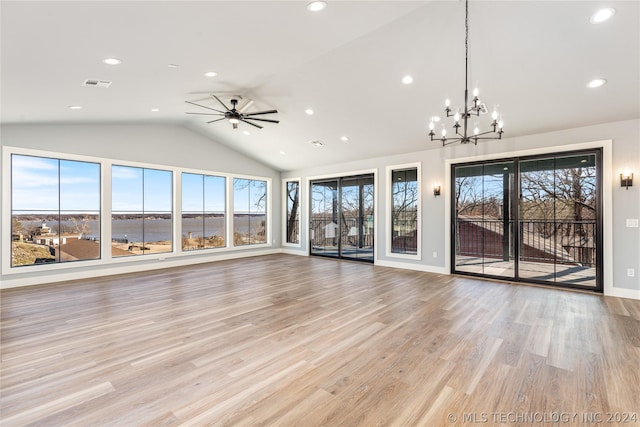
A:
[404,211]
[203,211]
[142,215]
[55,210]
[292,226]
[249,211]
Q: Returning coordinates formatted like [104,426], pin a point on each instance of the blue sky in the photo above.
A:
[43,184]
[141,190]
[203,193]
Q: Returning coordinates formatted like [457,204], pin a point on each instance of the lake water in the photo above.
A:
[156,230]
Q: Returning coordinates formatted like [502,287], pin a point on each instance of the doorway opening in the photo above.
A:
[534,219]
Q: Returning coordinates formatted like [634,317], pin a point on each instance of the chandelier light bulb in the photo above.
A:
[444,132]
[476,131]
[476,92]
[447,102]
[431,125]
[456,116]
[494,115]
[500,124]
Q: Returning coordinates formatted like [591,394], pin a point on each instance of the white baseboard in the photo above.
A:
[110,270]
[622,293]
[416,267]
[293,252]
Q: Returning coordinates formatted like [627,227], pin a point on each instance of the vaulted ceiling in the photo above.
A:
[532,58]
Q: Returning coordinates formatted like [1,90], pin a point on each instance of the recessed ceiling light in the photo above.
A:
[172,65]
[596,83]
[317,143]
[316,6]
[210,74]
[282,152]
[309,111]
[344,138]
[435,119]
[155,110]
[75,107]
[602,15]
[112,61]
[246,132]
[407,80]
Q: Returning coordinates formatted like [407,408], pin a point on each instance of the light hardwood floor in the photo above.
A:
[296,341]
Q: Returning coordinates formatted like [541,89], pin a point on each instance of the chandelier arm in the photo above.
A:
[485,133]
[450,141]
[486,137]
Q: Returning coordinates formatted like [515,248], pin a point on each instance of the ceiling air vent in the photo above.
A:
[96,83]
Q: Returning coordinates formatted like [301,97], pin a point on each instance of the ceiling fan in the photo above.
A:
[234,115]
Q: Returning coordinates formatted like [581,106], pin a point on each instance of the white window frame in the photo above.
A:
[285,213]
[389,209]
[106,213]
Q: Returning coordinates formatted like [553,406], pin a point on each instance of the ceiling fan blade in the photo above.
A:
[204,106]
[221,103]
[252,124]
[207,114]
[261,112]
[216,120]
[263,120]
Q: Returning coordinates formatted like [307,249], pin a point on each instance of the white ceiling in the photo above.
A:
[533,58]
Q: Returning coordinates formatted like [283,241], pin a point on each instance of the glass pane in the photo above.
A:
[484,219]
[293,212]
[33,238]
[214,230]
[79,186]
[158,191]
[214,194]
[356,225]
[34,183]
[192,193]
[127,236]
[404,211]
[241,212]
[158,233]
[258,210]
[126,189]
[324,218]
[558,220]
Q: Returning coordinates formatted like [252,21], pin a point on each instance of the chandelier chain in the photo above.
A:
[475,109]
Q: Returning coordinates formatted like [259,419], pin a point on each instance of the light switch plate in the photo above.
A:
[632,222]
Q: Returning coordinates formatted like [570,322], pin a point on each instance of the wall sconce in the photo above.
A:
[436,190]
[626,180]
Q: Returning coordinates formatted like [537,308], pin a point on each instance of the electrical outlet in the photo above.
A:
[435,254]
[632,222]
[631,272]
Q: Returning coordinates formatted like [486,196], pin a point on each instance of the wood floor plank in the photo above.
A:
[284,340]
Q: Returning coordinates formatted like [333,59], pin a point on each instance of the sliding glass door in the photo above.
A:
[534,219]
[558,222]
[342,218]
[484,242]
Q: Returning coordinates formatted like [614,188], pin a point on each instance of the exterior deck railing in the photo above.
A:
[560,241]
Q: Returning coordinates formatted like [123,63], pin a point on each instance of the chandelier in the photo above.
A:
[473,109]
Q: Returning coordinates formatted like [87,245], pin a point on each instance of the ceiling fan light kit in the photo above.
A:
[233,115]
[474,109]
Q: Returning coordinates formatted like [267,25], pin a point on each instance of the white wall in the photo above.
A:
[623,153]
[161,145]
